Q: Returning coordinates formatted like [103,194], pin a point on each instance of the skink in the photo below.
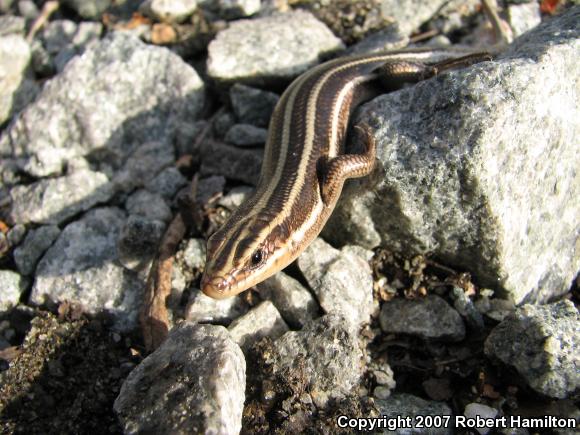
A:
[305,166]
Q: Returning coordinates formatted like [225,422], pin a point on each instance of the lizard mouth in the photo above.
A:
[218,287]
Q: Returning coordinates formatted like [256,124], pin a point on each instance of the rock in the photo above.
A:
[35,245]
[249,50]
[138,242]
[11,287]
[429,318]
[12,24]
[193,383]
[407,405]
[263,320]
[474,410]
[194,254]
[231,162]
[175,11]
[523,17]
[208,188]
[328,353]
[149,205]
[28,9]
[341,281]
[246,135]
[410,15]
[148,160]
[64,39]
[167,183]
[387,39]
[223,122]
[81,268]
[540,342]
[15,90]
[16,234]
[252,105]
[203,309]
[235,197]
[234,9]
[54,200]
[295,303]
[91,9]
[463,177]
[148,92]
[466,308]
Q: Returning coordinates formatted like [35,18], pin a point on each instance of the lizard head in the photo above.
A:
[241,254]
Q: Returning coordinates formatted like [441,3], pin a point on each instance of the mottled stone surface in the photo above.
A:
[91,9]
[410,14]
[11,287]
[295,303]
[251,105]
[429,318]
[193,383]
[478,166]
[541,343]
[263,320]
[81,267]
[341,280]
[203,309]
[407,405]
[232,162]
[138,241]
[124,93]
[246,135]
[54,200]
[328,350]
[170,11]
[249,51]
[35,244]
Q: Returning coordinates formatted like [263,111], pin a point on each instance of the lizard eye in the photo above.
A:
[257,257]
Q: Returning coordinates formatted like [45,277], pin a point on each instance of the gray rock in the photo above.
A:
[16,234]
[167,183]
[410,14]
[12,24]
[194,254]
[523,17]
[295,303]
[208,188]
[186,135]
[249,50]
[15,91]
[11,287]
[28,9]
[148,205]
[263,320]
[223,122]
[341,280]
[138,242]
[407,405]
[148,160]
[251,105]
[89,9]
[203,309]
[541,343]
[246,135]
[328,351]
[429,318]
[193,383]
[233,9]
[64,39]
[474,410]
[463,178]
[81,268]
[235,197]
[466,308]
[231,162]
[148,92]
[5,6]
[390,38]
[54,200]
[175,11]
[35,245]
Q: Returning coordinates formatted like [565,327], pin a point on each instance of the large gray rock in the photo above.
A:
[11,287]
[480,168]
[328,351]
[541,343]
[54,200]
[410,14]
[429,318]
[249,50]
[15,89]
[81,267]
[118,94]
[341,280]
[193,383]
[37,241]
